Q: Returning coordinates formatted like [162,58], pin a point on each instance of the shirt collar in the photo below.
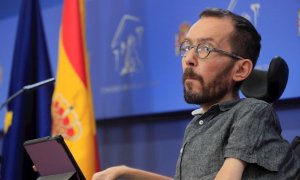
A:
[224,106]
[228,104]
[197,112]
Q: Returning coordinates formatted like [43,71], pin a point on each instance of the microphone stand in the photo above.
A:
[27,88]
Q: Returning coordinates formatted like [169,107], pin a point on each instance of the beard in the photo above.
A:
[212,92]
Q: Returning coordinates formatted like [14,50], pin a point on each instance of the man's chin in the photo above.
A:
[192,98]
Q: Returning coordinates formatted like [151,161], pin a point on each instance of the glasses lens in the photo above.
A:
[184,48]
[203,51]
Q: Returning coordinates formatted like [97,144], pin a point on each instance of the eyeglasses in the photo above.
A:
[204,50]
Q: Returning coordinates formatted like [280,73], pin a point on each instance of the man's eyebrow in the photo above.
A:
[200,40]
[204,40]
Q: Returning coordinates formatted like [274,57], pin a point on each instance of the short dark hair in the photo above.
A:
[245,40]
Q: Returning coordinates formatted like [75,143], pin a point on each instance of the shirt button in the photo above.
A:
[201,122]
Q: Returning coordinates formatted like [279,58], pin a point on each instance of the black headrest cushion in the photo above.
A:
[267,85]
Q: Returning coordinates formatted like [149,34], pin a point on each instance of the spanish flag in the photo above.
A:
[72,107]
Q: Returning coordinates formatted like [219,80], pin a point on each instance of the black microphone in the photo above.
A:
[27,88]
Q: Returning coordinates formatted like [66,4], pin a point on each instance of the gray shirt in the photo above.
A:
[248,130]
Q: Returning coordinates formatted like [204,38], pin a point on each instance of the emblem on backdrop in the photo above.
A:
[126,45]
[179,37]
[299,23]
[65,119]
[254,7]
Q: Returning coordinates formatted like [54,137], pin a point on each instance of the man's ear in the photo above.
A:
[242,69]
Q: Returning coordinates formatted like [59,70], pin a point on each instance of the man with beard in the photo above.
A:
[229,137]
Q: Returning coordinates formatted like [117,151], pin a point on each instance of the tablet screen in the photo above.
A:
[51,156]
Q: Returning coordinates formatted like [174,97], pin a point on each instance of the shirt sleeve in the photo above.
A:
[255,137]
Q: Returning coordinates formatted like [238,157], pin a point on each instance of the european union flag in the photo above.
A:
[31,113]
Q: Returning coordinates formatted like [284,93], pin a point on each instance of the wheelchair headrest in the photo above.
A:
[267,85]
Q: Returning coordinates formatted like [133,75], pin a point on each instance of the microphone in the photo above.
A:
[27,88]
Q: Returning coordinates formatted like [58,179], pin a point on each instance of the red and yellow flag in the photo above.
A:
[72,107]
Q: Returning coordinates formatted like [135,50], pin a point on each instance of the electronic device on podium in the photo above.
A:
[53,159]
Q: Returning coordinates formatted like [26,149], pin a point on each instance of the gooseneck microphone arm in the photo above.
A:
[27,88]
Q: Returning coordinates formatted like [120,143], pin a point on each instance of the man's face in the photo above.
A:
[209,80]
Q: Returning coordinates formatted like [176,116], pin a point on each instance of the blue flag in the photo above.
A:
[31,113]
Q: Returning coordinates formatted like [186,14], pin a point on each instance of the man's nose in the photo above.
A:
[191,58]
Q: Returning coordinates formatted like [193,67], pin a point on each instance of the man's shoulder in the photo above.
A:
[249,106]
